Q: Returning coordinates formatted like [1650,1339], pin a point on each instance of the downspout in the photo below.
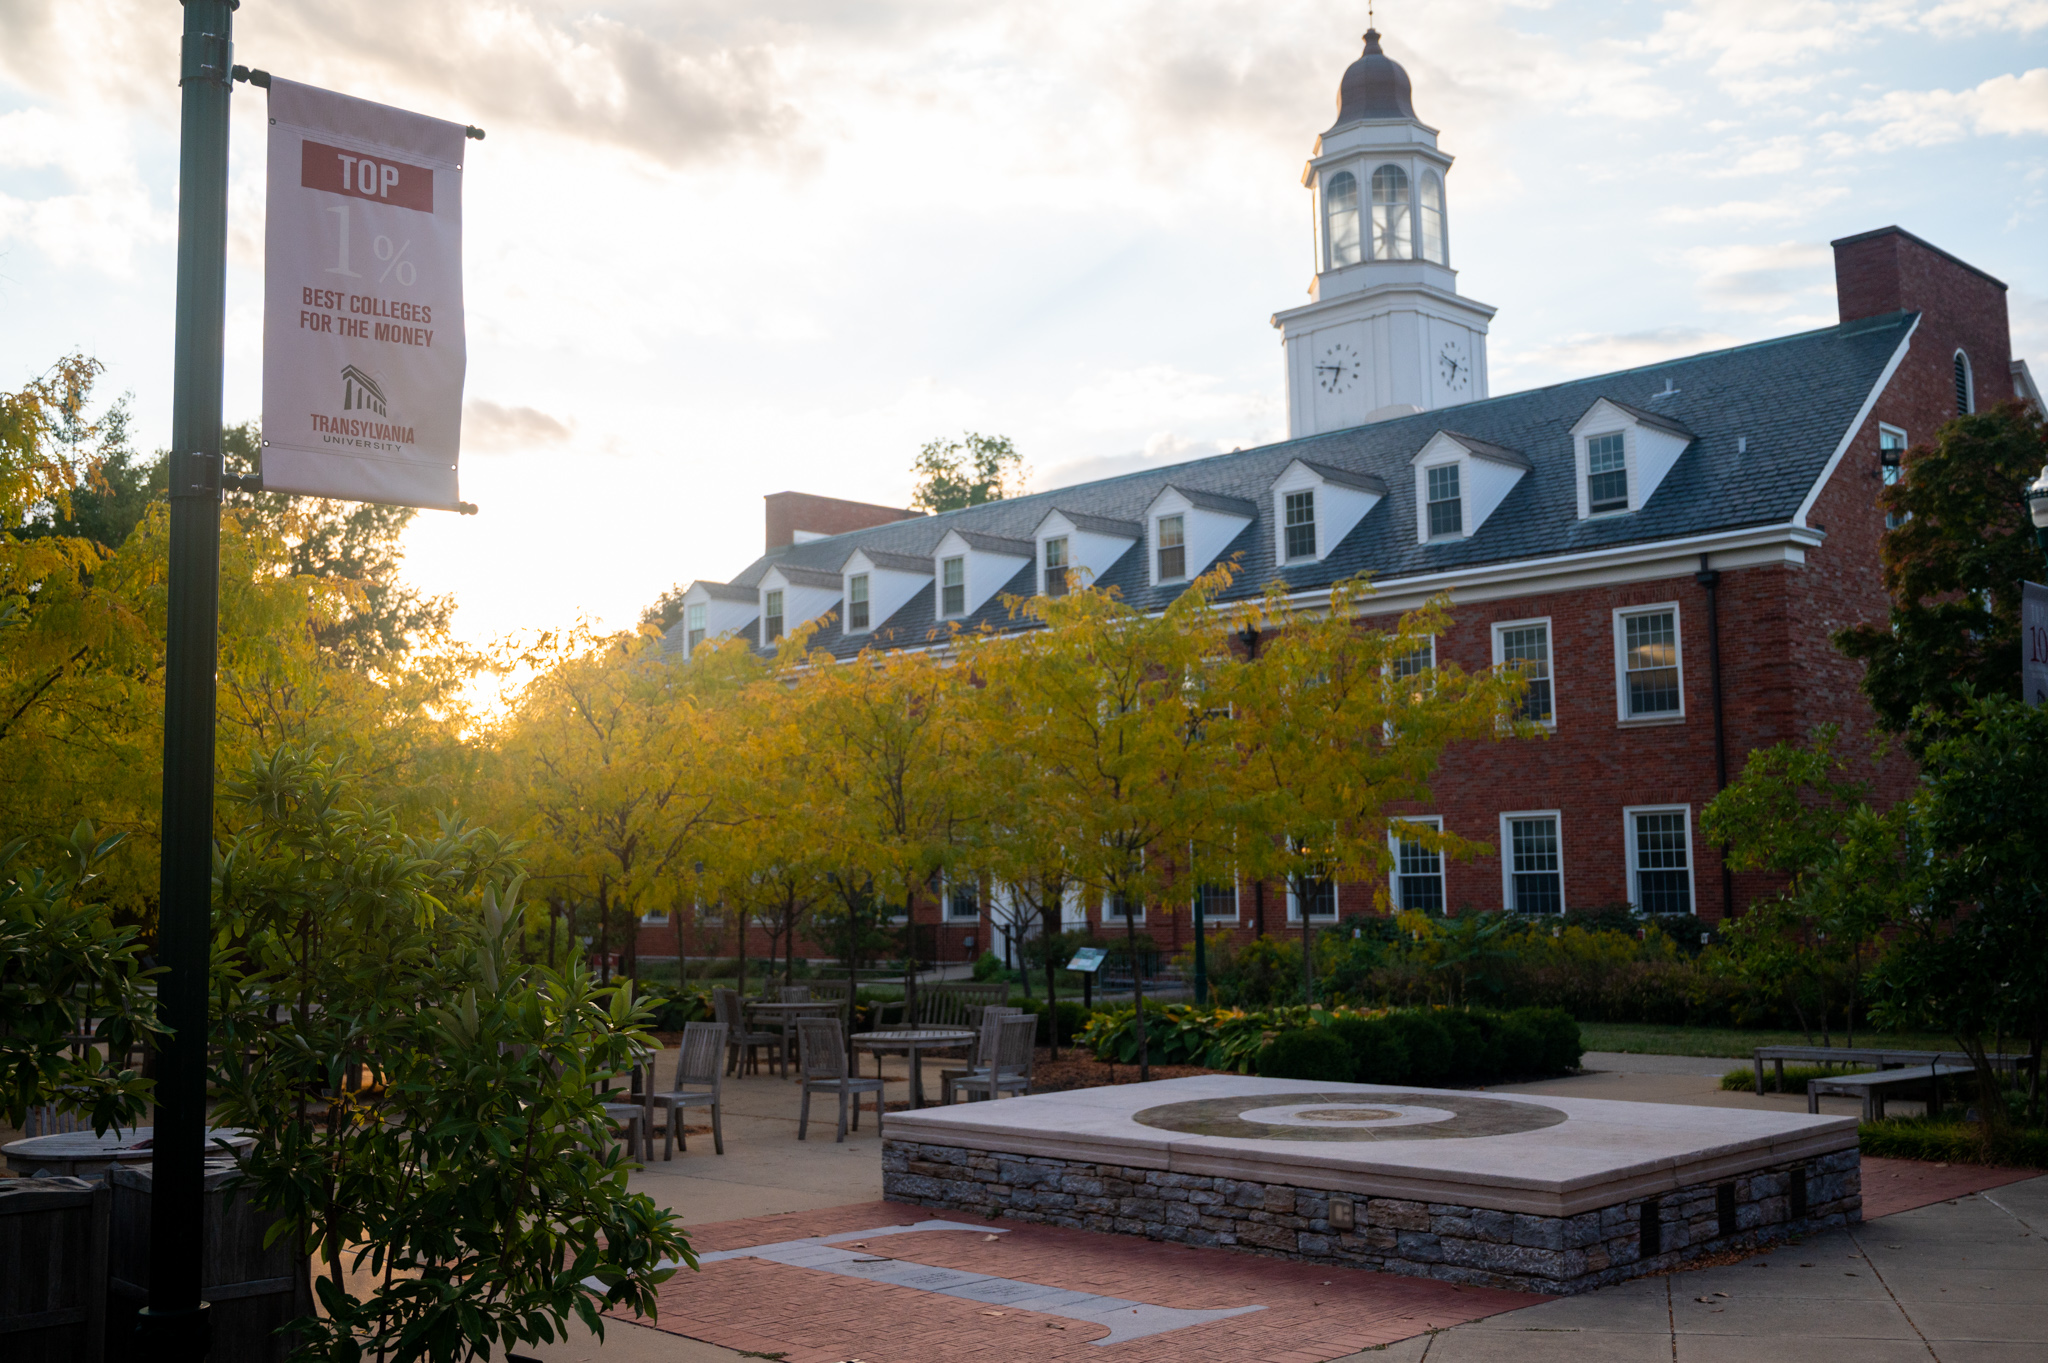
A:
[1710,579]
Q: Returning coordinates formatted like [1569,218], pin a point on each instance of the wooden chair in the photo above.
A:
[742,1045]
[984,1052]
[1010,1071]
[636,1112]
[699,1082]
[822,1067]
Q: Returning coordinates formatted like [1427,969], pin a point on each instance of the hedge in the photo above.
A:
[1421,1046]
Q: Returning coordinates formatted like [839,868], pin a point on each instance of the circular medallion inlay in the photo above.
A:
[1350,1117]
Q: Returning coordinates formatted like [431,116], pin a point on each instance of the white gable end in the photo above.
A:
[988,570]
[1089,551]
[1650,448]
[1339,502]
[891,585]
[1486,475]
[1209,523]
[806,595]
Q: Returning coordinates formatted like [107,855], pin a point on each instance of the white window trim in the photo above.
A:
[1628,469]
[1073,908]
[1507,856]
[1108,919]
[1622,715]
[946,914]
[943,613]
[1885,428]
[1336,913]
[849,627]
[1628,839]
[1550,634]
[1066,544]
[1464,531]
[1186,568]
[1435,821]
[1236,903]
[1315,525]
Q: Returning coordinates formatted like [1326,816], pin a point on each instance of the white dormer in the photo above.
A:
[1315,506]
[1459,480]
[1074,549]
[877,584]
[1188,529]
[791,596]
[711,610]
[1620,456]
[972,567]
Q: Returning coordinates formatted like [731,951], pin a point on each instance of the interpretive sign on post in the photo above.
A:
[2034,642]
[1087,960]
[363,348]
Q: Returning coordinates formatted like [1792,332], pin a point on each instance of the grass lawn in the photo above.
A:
[1642,1038]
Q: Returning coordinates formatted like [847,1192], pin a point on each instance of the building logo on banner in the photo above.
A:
[363,347]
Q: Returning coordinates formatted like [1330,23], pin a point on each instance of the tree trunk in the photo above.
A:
[740,919]
[1258,908]
[1308,976]
[604,931]
[1138,996]
[1048,923]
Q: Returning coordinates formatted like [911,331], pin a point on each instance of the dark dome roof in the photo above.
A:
[1374,86]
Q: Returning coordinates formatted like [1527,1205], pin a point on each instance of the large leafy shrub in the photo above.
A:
[1313,1053]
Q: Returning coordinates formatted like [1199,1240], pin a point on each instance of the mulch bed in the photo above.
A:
[1077,1069]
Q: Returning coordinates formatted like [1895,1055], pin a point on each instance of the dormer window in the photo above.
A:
[1301,524]
[953,587]
[1056,566]
[1340,212]
[1392,233]
[693,626]
[1606,473]
[857,601]
[1446,507]
[771,617]
[1173,548]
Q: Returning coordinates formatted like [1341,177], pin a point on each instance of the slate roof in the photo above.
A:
[1792,398]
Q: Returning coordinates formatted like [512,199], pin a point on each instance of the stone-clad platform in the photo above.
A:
[1503,1190]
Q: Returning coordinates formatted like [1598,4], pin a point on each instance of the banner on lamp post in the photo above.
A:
[363,348]
[2034,642]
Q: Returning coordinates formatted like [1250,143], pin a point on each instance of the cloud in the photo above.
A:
[495,426]
[1599,353]
[1798,201]
[1163,449]
[2009,105]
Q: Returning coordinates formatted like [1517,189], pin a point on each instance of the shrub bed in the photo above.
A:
[1744,1080]
[1421,1046]
[1954,1141]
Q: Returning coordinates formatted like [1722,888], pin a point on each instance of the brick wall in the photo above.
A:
[1960,307]
[789,512]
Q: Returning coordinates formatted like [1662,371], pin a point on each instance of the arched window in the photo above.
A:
[1432,217]
[1966,392]
[1340,210]
[1393,238]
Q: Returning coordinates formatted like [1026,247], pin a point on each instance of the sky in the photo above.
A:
[722,248]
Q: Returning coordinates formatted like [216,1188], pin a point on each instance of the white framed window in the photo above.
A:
[771,616]
[1056,566]
[1891,461]
[1966,390]
[1606,473]
[1340,218]
[953,586]
[1300,529]
[1416,661]
[1118,907]
[1648,681]
[963,901]
[657,919]
[1418,881]
[857,602]
[1171,537]
[1393,231]
[1322,901]
[1073,909]
[1659,858]
[1218,900]
[693,626]
[1433,218]
[1532,861]
[1526,644]
[1446,505]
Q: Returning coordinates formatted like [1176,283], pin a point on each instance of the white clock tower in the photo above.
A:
[1385,332]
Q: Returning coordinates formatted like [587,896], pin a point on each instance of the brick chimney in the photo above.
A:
[790,514]
[1960,306]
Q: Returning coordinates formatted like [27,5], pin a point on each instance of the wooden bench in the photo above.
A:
[1912,1081]
[1884,1058]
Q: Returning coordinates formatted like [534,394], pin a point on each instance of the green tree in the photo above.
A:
[966,472]
[1953,568]
[422,1105]
[666,609]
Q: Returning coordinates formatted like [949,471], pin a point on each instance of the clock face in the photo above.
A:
[1337,368]
[1455,368]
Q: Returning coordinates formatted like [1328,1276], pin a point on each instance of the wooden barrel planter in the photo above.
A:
[252,1291]
[53,1261]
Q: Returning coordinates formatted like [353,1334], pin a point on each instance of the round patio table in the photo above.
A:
[923,1039]
[83,1154]
[786,1013]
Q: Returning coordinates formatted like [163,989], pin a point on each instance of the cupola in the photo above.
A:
[1374,86]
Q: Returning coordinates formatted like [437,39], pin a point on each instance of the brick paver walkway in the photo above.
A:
[1313,1314]
[1899,1185]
